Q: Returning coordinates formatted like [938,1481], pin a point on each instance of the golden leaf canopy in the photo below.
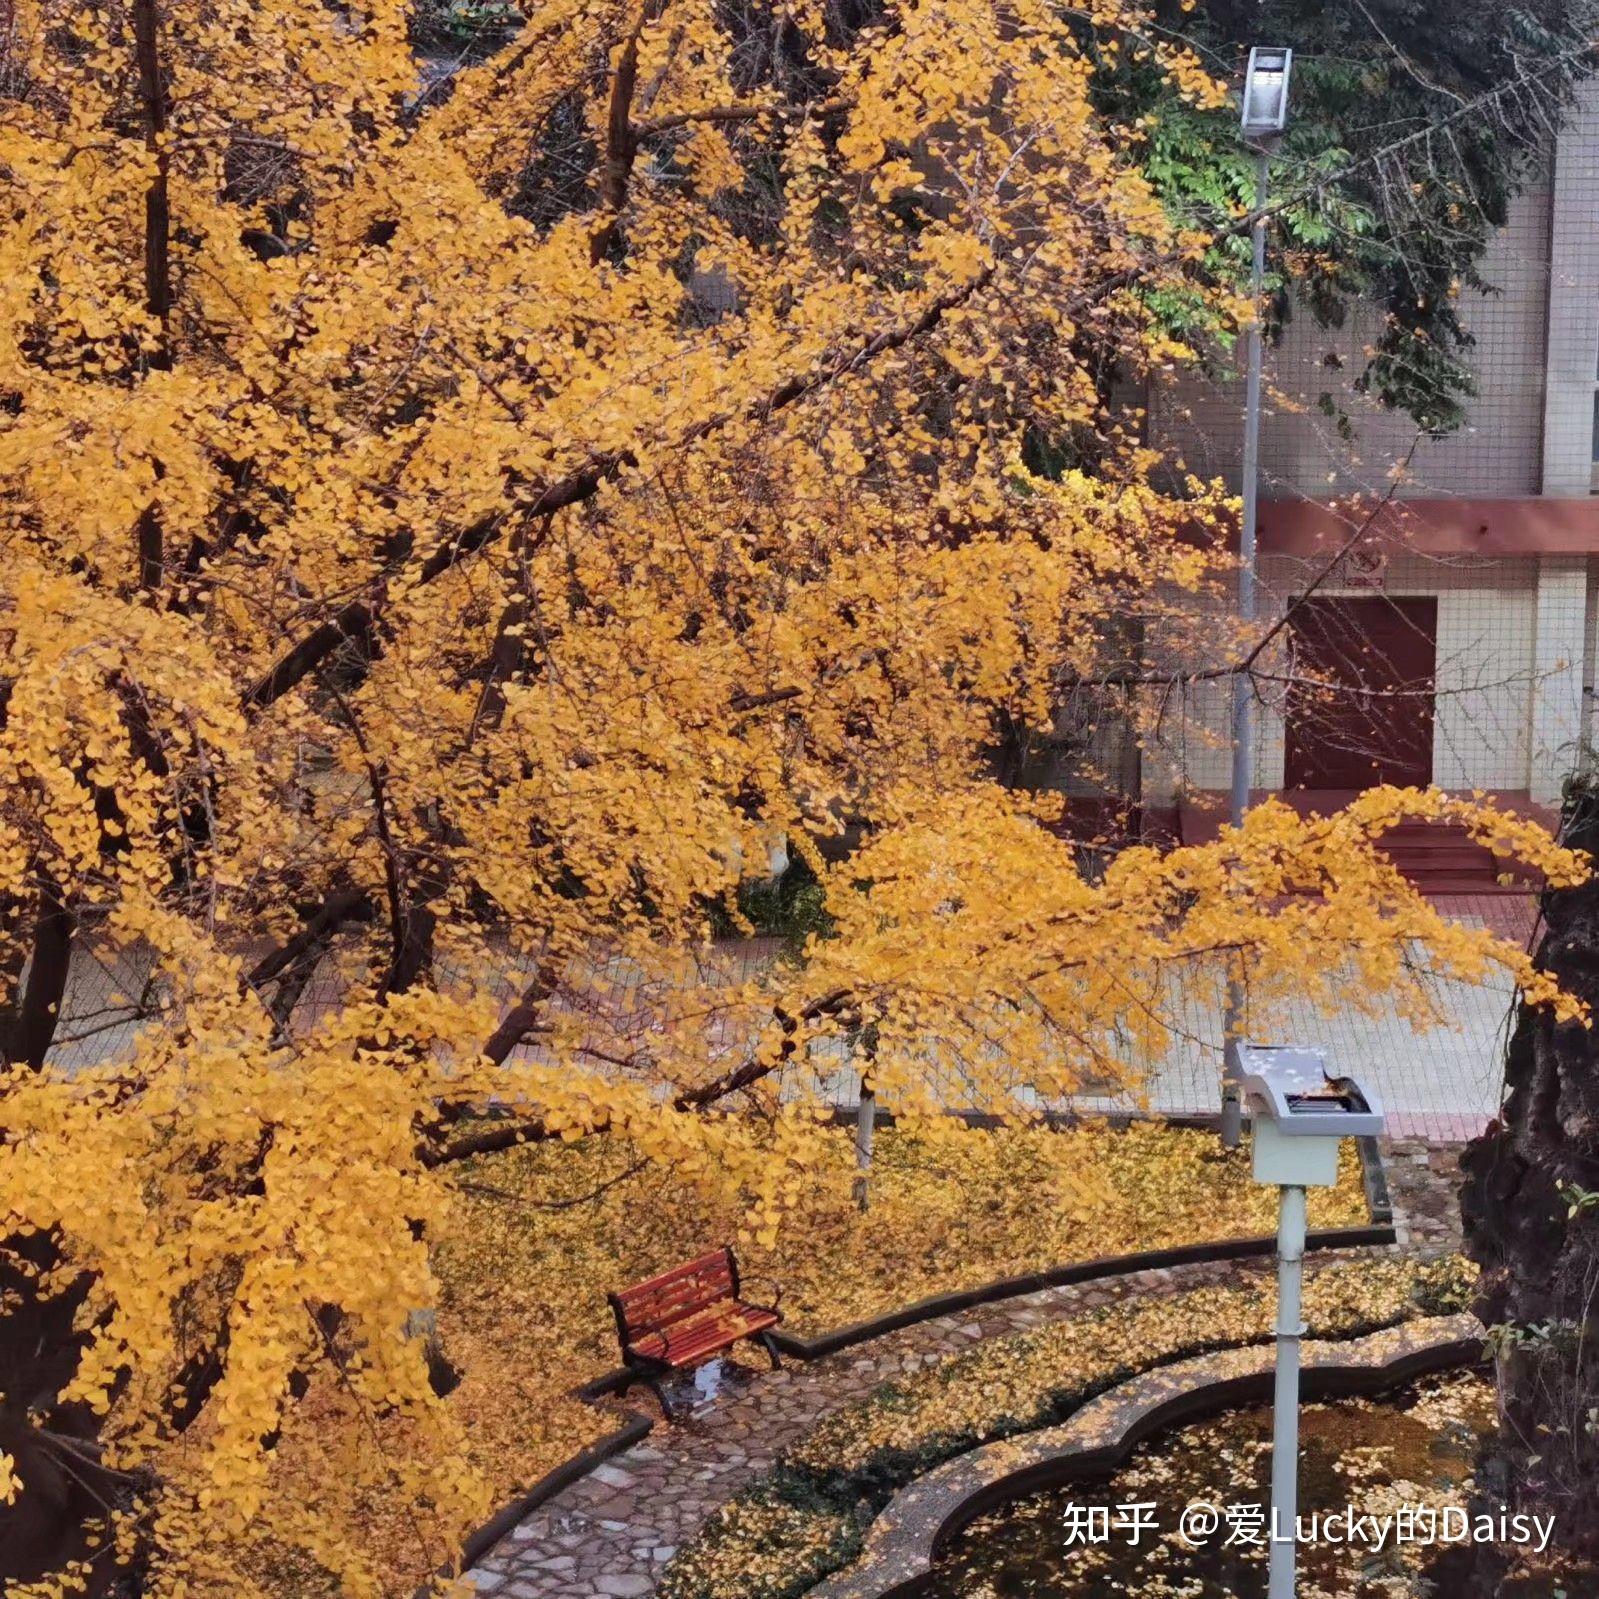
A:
[454,521]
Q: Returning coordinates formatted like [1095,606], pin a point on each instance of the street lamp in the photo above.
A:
[1263,117]
[1265,104]
[1299,1112]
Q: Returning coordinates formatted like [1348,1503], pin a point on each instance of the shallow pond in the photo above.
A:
[1128,1535]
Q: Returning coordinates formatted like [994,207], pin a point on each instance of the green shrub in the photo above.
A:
[463,25]
[790,906]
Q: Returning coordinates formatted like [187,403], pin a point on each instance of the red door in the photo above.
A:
[1360,701]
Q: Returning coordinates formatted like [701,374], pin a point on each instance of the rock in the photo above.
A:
[623,1586]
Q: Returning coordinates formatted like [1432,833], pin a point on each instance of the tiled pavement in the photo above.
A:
[1440,1083]
[610,1534]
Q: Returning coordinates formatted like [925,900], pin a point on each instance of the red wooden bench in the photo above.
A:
[685,1316]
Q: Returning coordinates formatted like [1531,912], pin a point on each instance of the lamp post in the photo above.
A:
[1263,118]
[1299,1113]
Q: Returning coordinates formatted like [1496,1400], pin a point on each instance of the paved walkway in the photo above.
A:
[611,1533]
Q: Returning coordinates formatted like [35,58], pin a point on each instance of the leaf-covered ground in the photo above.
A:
[807,1516]
[538,1238]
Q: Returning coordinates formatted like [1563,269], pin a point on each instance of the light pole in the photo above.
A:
[1262,120]
[1299,1113]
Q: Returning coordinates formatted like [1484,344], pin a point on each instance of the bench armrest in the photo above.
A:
[772,1283]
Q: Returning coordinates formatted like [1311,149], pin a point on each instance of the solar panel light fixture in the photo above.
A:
[1265,105]
[1299,1111]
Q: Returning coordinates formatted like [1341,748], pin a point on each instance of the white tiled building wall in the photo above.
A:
[1573,339]
[1559,641]
[1491,618]
[1497,452]
[1485,659]
[1517,649]
[1535,359]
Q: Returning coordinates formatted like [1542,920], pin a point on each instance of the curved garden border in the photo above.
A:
[911,1530]
[634,1430]
[636,1426]
[1079,1272]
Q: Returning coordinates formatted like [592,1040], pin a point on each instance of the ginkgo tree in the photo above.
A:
[449,527]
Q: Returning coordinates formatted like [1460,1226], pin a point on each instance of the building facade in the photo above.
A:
[1465,619]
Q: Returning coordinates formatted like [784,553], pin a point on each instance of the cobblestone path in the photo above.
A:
[608,1536]
[1424,1185]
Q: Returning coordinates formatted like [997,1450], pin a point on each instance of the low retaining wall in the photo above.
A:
[920,1520]
[636,1426]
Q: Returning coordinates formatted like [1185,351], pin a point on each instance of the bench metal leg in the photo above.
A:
[652,1381]
[769,1343]
[660,1397]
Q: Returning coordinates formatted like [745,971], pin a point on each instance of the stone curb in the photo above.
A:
[922,1517]
[636,1425]
[1374,1179]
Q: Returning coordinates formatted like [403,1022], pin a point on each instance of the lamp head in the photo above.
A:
[1265,103]
[1300,1111]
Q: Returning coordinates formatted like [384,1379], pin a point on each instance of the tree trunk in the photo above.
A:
[1536,1236]
[28,1023]
[57,1520]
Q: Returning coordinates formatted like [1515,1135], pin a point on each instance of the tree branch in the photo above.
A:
[621,138]
[1292,609]
[157,206]
[149,534]
[356,620]
[507,1134]
[345,904]
[742,702]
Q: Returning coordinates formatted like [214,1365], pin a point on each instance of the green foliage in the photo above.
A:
[789,907]
[467,26]
[1384,188]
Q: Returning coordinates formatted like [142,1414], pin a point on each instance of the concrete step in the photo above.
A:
[1445,883]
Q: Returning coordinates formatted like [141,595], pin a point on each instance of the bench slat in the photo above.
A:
[713,1258]
[682,1307]
[665,1295]
[683,1316]
[679,1293]
[693,1343]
